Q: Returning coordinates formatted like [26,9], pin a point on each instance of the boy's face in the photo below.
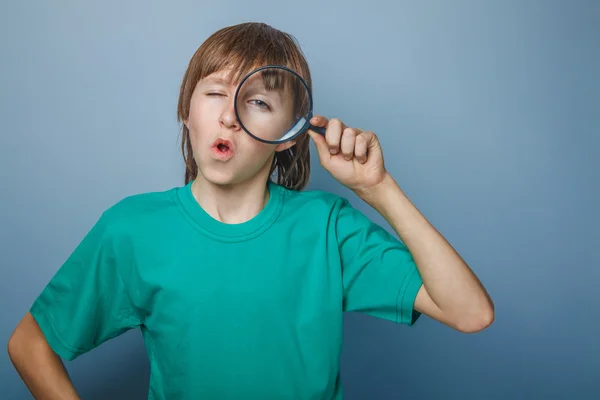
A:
[224,153]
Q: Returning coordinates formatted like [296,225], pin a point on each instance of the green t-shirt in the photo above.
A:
[229,311]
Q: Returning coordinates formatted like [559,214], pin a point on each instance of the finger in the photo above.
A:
[348,142]
[333,135]
[371,139]
[319,120]
[321,145]
[360,148]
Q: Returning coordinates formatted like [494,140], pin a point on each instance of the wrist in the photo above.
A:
[377,195]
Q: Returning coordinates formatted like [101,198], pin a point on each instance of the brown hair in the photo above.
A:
[243,47]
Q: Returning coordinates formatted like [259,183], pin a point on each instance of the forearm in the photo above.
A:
[449,281]
[39,367]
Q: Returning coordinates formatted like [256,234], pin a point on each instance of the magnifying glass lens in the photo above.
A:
[273,105]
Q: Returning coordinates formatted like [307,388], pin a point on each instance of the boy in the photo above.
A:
[239,282]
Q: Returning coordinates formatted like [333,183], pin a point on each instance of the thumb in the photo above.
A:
[321,145]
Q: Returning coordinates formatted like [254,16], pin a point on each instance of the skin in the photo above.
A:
[235,191]
[232,192]
[451,293]
[42,370]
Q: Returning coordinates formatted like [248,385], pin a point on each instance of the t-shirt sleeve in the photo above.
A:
[380,277]
[86,302]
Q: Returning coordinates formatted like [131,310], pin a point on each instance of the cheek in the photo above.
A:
[202,112]
[251,152]
[253,148]
[196,117]
[198,124]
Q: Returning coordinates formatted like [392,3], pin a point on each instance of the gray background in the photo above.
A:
[489,116]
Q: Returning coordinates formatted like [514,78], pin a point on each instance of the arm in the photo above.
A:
[451,293]
[41,369]
[85,304]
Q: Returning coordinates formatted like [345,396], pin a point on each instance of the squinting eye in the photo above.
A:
[214,94]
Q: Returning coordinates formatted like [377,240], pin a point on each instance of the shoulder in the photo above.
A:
[336,209]
[315,199]
[139,211]
[318,203]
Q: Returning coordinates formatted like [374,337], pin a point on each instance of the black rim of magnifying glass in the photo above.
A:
[310,101]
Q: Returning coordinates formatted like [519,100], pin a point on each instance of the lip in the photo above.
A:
[225,142]
[223,155]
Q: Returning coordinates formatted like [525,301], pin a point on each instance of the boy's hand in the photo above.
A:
[353,157]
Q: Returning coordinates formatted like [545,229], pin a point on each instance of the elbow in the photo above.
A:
[478,321]
[22,341]
[16,343]
[13,346]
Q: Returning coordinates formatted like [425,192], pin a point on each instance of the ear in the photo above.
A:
[285,146]
[185,122]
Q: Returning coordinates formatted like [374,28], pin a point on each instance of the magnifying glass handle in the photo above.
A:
[318,129]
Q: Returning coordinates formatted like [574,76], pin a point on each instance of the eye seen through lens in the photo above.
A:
[273,104]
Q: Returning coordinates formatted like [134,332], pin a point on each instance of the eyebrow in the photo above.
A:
[217,80]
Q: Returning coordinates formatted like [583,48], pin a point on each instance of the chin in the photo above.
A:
[220,178]
[226,175]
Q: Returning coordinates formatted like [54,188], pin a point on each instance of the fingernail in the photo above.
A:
[333,151]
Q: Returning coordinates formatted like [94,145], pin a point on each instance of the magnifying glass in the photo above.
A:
[273,104]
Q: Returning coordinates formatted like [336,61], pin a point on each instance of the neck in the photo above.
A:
[231,204]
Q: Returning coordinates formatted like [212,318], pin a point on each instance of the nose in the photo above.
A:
[228,118]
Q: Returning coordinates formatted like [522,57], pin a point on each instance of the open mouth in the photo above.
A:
[223,148]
